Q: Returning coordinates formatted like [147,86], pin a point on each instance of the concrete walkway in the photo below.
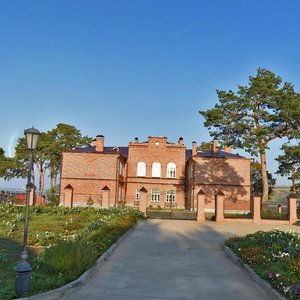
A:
[169,259]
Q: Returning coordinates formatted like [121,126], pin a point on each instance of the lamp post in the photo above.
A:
[23,268]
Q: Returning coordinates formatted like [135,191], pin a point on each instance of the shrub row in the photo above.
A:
[66,260]
[275,256]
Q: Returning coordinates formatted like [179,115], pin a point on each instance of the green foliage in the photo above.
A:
[68,258]
[204,146]
[289,164]
[89,201]
[256,114]
[274,216]
[274,255]
[6,164]
[47,156]
[294,267]
[257,181]
[63,242]
[252,255]
[53,197]
[64,137]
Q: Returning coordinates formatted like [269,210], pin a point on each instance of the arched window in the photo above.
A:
[156,169]
[141,169]
[171,170]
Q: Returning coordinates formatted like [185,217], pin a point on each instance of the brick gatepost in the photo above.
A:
[256,208]
[69,196]
[292,202]
[32,195]
[219,206]
[143,201]
[200,206]
[105,197]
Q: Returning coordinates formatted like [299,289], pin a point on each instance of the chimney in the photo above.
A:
[99,143]
[214,145]
[228,149]
[136,139]
[194,148]
[180,141]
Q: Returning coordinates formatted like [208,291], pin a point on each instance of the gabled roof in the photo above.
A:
[188,153]
[210,154]
[92,149]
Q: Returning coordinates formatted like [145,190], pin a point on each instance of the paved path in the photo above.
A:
[168,259]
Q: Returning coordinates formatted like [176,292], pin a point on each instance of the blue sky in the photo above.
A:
[136,68]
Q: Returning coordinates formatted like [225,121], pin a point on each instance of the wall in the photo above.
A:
[88,174]
[230,175]
[156,149]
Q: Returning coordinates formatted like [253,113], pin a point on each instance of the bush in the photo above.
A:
[52,196]
[252,255]
[69,258]
[294,267]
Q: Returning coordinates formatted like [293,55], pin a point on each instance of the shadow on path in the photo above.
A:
[171,259]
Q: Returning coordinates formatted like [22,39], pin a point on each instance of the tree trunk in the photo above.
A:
[265,193]
[293,189]
[41,185]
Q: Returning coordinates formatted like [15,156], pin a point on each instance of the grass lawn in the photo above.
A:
[274,256]
[62,242]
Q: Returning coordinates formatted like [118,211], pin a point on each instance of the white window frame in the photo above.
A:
[156,169]
[120,195]
[171,170]
[121,168]
[171,196]
[141,169]
[155,195]
[190,170]
[138,194]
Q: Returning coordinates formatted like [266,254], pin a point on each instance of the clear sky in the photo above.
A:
[136,68]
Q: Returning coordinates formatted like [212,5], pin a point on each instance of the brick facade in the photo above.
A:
[165,172]
[211,171]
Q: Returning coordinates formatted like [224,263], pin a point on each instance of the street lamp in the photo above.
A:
[23,268]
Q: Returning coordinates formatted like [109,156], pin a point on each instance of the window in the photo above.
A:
[190,170]
[141,169]
[155,195]
[138,194]
[171,196]
[121,168]
[156,169]
[171,170]
[120,194]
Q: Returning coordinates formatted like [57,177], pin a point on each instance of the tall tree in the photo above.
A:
[47,155]
[63,137]
[204,146]
[289,164]
[6,164]
[256,179]
[40,158]
[256,114]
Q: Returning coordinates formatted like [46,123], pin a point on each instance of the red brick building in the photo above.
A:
[166,172]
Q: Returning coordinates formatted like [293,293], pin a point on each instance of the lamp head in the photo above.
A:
[31,135]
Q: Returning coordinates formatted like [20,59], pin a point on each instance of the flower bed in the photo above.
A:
[274,256]
[63,242]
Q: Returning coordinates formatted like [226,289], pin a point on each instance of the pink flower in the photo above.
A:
[270,275]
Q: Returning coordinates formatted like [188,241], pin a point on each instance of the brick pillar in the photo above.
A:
[200,206]
[292,201]
[143,201]
[105,197]
[32,195]
[68,196]
[219,205]
[256,207]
